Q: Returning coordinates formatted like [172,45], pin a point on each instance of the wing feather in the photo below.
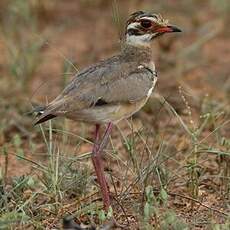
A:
[112,82]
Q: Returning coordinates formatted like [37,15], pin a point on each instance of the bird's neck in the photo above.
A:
[141,54]
[138,40]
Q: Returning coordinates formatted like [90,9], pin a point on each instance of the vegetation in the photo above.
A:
[168,167]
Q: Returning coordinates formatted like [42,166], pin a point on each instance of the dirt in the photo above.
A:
[84,33]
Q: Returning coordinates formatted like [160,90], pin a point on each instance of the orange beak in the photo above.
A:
[168,29]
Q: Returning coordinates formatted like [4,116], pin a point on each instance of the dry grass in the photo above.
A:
[167,167]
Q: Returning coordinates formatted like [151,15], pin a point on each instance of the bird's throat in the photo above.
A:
[139,40]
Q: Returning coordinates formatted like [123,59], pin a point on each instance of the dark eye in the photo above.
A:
[146,23]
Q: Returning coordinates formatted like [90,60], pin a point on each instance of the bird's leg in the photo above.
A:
[98,164]
[105,138]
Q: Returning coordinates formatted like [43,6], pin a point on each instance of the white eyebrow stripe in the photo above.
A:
[149,18]
[133,25]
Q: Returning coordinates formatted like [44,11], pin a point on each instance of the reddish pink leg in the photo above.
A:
[98,164]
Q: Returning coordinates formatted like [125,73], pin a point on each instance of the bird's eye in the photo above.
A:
[146,23]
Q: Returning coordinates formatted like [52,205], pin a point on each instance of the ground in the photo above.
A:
[167,166]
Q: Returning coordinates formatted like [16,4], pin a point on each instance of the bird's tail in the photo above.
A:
[42,114]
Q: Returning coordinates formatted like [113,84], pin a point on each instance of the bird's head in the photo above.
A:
[142,27]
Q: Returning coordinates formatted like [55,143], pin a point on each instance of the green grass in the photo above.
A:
[159,172]
[19,25]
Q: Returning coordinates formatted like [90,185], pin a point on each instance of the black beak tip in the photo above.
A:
[175,29]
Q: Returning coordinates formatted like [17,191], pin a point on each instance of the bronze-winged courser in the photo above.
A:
[112,89]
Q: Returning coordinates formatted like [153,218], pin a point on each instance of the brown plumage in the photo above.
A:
[113,89]
[119,82]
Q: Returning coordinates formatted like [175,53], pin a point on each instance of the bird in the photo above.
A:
[112,89]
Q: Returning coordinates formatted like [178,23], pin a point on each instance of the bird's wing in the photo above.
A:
[131,88]
[107,83]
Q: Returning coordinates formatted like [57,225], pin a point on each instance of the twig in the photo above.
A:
[199,202]
[123,210]
[188,198]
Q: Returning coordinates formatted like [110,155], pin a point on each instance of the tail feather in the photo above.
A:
[42,114]
[39,110]
[44,118]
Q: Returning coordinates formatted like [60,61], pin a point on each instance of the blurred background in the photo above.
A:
[172,158]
